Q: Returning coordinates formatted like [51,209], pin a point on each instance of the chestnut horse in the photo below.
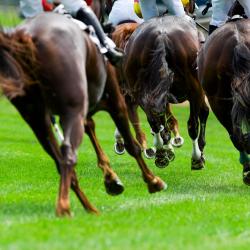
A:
[49,66]
[224,71]
[121,36]
[160,68]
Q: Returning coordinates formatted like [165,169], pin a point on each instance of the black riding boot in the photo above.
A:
[211,29]
[87,16]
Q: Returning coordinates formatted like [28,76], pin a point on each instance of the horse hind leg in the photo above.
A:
[112,182]
[203,115]
[162,137]
[140,136]
[32,109]
[197,161]
[73,130]
[154,183]
[119,114]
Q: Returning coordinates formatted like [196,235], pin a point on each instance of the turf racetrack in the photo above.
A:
[206,209]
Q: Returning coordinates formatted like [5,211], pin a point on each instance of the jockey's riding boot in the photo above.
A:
[211,29]
[87,16]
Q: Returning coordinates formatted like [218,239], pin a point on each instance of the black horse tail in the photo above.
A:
[241,85]
[18,63]
[157,73]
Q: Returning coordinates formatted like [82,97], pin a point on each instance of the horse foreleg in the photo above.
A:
[193,129]
[173,126]
[203,115]
[73,129]
[112,183]
[140,135]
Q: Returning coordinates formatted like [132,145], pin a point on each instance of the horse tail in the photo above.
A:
[241,84]
[18,67]
[157,73]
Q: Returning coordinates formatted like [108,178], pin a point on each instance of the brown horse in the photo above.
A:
[160,68]
[224,71]
[121,36]
[49,66]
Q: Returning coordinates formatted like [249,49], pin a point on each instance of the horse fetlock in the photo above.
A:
[203,158]
[156,185]
[69,155]
[166,136]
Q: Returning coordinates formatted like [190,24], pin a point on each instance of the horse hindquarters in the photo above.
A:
[32,108]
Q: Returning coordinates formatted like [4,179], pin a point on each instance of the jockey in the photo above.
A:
[81,11]
[220,9]
[123,10]
[30,8]
[149,8]
[47,6]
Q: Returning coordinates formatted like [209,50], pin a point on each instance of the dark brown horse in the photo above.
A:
[49,66]
[224,71]
[160,68]
[121,36]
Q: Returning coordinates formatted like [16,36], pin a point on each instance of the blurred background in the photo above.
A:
[10,15]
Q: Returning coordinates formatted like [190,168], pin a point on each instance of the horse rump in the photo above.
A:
[241,92]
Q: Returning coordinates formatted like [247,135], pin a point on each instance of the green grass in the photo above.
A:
[206,209]
[9,17]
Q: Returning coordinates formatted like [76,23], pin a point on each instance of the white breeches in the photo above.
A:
[221,8]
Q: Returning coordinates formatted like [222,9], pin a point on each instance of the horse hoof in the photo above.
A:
[149,153]
[177,141]
[161,162]
[197,164]
[119,148]
[114,187]
[161,158]
[246,177]
[170,154]
[156,185]
[61,212]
